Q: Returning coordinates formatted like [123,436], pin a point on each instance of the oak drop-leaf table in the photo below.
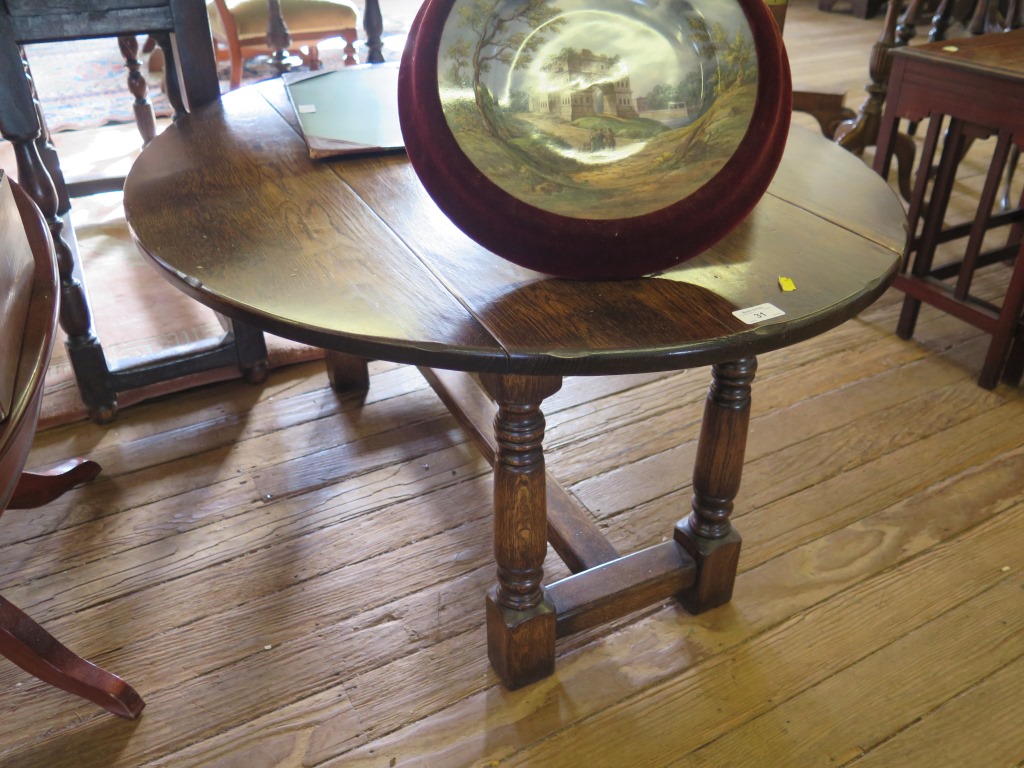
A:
[353,256]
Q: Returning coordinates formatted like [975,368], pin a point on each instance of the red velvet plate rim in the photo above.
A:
[592,249]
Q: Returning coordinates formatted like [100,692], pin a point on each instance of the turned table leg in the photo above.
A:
[520,617]
[707,534]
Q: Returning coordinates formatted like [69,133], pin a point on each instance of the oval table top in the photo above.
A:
[351,254]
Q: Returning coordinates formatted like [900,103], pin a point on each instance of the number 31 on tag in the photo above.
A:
[757,314]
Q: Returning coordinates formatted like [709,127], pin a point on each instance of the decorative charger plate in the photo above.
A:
[595,138]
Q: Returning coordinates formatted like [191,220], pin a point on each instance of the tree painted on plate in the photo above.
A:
[740,54]
[503,33]
[458,58]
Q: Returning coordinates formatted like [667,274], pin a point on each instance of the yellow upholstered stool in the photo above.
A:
[240,26]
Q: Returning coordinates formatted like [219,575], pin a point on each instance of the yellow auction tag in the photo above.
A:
[787,284]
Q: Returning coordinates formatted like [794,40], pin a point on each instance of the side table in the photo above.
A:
[968,88]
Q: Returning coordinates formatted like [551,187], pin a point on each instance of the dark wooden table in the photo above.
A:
[352,255]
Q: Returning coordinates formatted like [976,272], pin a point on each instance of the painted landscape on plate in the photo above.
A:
[598,109]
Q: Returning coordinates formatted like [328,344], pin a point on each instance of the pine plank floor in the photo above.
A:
[292,578]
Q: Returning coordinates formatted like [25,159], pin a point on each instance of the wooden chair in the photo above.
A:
[242,28]
[182,29]
[29,322]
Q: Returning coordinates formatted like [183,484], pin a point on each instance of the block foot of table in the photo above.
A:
[348,373]
[520,644]
[716,560]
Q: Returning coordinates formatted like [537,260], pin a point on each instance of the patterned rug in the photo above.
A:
[83,84]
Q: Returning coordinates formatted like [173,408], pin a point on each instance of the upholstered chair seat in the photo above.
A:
[240,27]
[301,16]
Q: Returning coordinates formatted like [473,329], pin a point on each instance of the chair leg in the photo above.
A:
[933,220]
[1006,330]
[1014,370]
[40,654]
[235,55]
[350,36]
[34,489]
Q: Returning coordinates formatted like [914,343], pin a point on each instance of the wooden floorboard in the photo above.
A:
[295,578]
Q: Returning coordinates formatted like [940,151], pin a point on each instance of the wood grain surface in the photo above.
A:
[874,621]
[352,254]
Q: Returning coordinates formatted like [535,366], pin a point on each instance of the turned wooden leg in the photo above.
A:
[707,534]
[144,117]
[350,36]
[278,37]
[348,373]
[34,489]
[940,21]
[520,617]
[864,130]
[906,29]
[22,126]
[373,24]
[312,58]
[48,154]
[40,654]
